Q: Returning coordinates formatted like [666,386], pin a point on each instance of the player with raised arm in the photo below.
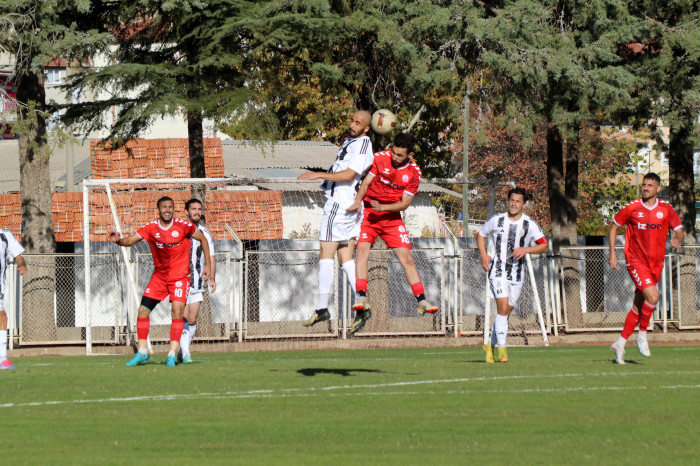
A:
[169,240]
[512,233]
[387,190]
[648,220]
[193,210]
[340,228]
[9,246]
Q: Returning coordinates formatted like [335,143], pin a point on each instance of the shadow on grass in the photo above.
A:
[312,371]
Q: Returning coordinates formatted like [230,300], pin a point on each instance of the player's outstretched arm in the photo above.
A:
[128,241]
[344,175]
[201,237]
[612,235]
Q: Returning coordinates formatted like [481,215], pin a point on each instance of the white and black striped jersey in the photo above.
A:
[508,235]
[197,283]
[9,246]
[356,154]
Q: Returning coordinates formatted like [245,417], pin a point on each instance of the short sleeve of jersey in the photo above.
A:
[374,169]
[674,221]
[207,235]
[412,186]
[145,232]
[537,234]
[360,155]
[487,227]
[623,215]
[13,246]
[190,229]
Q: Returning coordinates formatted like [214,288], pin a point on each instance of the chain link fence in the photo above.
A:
[686,286]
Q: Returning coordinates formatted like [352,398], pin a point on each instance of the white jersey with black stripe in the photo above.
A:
[9,246]
[197,283]
[508,235]
[356,154]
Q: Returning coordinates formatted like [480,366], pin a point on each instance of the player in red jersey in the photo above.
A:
[386,191]
[648,220]
[169,239]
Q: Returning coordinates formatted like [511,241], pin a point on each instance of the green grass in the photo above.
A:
[557,405]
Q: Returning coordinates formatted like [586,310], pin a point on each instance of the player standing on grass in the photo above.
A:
[386,191]
[340,228]
[193,210]
[169,239]
[648,220]
[512,232]
[8,246]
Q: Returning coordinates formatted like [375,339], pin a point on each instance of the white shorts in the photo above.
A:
[504,289]
[338,224]
[195,297]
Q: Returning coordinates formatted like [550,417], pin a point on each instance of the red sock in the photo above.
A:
[143,326]
[176,329]
[361,284]
[630,323]
[647,311]
[417,289]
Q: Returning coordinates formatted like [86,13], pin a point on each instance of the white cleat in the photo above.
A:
[619,351]
[643,346]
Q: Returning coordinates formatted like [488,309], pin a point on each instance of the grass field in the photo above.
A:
[557,405]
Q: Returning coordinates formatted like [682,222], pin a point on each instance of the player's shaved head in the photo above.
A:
[359,124]
[364,116]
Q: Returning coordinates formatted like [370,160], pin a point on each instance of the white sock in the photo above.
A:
[325,282]
[193,329]
[171,353]
[349,269]
[501,326]
[493,339]
[143,351]
[620,341]
[185,338]
[642,334]
[3,345]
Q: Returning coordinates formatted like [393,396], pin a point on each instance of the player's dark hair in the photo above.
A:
[653,176]
[520,191]
[192,201]
[404,140]
[163,199]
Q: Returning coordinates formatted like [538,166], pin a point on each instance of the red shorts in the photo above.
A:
[388,226]
[644,274]
[161,287]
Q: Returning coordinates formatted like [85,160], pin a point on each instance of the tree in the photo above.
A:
[556,62]
[35,33]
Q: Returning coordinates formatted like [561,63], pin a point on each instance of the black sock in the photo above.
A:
[362,293]
[420,297]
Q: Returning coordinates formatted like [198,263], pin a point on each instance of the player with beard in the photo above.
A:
[340,228]
[169,240]
[387,190]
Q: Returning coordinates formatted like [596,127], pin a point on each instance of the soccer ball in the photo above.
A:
[383,121]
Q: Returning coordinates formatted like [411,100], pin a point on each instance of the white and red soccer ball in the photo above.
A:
[383,121]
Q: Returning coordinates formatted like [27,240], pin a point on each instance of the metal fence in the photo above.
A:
[268,294]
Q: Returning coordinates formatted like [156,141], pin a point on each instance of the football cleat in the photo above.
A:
[502,354]
[488,349]
[179,355]
[619,351]
[362,304]
[6,364]
[424,307]
[361,318]
[187,359]
[170,361]
[139,358]
[643,346]
[319,316]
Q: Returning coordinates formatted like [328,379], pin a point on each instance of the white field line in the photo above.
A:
[329,391]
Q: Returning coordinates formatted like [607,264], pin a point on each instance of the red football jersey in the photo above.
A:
[170,247]
[389,183]
[647,229]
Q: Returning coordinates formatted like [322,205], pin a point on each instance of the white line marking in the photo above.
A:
[313,391]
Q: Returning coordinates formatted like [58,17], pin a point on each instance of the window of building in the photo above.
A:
[53,75]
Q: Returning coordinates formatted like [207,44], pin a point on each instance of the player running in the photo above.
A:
[512,233]
[193,210]
[648,220]
[340,228]
[9,246]
[169,240]
[386,191]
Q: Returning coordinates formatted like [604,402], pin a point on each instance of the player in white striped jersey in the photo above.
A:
[9,246]
[339,228]
[193,210]
[511,232]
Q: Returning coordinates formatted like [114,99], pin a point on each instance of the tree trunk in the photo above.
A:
[681,180]
[571,188]
[556,187]
[195,133]
[35,178]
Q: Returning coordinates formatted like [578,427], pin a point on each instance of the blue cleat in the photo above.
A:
[170,362]
[138,359]
[187,359]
